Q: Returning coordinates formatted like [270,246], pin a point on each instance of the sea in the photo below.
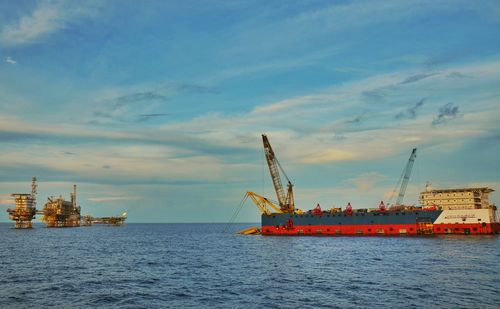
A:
[209,266]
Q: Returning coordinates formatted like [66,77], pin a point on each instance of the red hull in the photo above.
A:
[383,229]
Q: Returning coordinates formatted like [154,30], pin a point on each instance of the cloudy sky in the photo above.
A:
[158,108]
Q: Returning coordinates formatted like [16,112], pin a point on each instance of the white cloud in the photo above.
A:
[10,60]
[286,104]
[138,162]
[329,155]
[46,18]
[274,66]
[316,128]
[113,198]
[330,20]
[366,181]
[319,127]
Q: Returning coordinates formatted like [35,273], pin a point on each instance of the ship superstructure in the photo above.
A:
[464,210]
[452,199]
[451,211]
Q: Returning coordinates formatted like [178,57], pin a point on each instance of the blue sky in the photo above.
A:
[158,108]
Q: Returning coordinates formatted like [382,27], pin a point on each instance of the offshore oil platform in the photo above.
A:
[25,210]
[88,220]
[57,212]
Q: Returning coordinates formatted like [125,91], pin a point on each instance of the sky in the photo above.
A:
[158,108]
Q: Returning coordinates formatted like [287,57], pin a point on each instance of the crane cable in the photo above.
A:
[263,165]
[282,170]
[404,178]
[417,175]
[235,213]
[393,193]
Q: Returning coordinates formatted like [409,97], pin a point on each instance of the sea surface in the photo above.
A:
[201,266]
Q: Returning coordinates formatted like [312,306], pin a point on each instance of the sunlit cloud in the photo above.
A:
[332,155]
[334,134]
[366,181]
[113,198]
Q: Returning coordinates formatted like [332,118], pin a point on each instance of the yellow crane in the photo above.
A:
[263,203]
[286,201]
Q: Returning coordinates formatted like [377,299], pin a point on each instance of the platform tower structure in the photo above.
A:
[25,209]
[58,212]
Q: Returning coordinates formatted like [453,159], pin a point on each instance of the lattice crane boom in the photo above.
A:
[263,203]
[406,176]
[286,201]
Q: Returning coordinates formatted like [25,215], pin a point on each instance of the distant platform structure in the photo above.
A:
[25,210]
[88,220]
[57,212]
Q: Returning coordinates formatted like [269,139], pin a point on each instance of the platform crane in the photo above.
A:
[404,178]
[286,201]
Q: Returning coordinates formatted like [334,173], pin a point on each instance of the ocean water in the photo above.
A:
[200,266]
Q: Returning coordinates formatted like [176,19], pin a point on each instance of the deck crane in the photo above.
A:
[286,201]
[404,178]
[265,206]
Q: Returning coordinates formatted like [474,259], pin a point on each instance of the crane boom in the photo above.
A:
[286,201]
[263,203]
[406,176]
[403,179]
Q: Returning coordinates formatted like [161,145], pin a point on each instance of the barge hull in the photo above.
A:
[423,222]
[381,230]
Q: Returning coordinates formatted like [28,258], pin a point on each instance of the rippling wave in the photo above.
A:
[197,265]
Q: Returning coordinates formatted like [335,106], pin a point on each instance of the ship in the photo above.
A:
[464,211]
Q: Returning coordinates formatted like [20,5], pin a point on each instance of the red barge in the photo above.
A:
[465,211]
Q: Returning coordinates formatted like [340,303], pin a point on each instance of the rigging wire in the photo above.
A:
[262,170]
[393,194]
[235,213]
[418,177]
[282,170]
